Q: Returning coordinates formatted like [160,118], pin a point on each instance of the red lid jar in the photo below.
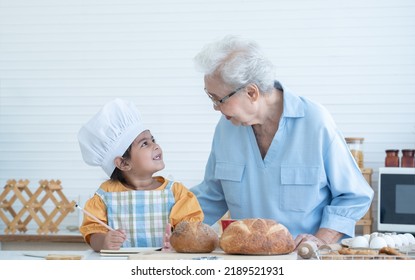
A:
[392,158]
[408,159]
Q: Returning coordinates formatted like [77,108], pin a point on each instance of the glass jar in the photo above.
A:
[356,148]
[408,159]
[392,158]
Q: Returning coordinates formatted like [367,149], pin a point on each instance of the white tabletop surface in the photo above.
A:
[124,254]
[40,255]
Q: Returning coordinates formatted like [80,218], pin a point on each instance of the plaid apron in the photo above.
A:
[142,214]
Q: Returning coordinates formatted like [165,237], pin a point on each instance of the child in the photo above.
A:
[134,201]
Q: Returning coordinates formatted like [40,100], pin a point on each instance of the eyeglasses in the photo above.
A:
[216,102]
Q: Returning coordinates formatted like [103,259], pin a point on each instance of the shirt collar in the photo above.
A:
[293,104]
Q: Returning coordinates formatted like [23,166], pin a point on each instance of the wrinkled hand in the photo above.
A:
[114,239]
[321,237]
[301,238]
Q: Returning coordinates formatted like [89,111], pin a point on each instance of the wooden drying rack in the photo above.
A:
[31,206]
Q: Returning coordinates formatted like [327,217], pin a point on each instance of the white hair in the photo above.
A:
[238,62]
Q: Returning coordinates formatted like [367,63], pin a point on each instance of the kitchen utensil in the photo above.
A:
[307,249]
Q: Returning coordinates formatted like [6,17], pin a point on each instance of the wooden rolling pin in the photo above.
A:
[307,249]
[331,247]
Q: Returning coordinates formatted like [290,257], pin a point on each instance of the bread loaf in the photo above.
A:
[256,237]
[194,237]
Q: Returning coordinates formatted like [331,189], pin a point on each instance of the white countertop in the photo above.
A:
[130,253]
[41,255]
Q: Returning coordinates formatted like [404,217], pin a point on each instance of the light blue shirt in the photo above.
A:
[307,180]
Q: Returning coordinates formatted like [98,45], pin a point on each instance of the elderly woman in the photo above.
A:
[275,154]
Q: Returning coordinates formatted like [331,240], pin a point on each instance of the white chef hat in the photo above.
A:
[109,133]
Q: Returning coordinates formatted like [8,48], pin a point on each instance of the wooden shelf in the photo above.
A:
[31,241]
[367,221]
[70,238]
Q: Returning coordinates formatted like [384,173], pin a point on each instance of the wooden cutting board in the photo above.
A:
[63,257]
[220,255]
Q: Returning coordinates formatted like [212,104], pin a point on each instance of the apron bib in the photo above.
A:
[142,214]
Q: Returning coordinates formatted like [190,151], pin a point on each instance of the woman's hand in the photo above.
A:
[301,238]
[321,237]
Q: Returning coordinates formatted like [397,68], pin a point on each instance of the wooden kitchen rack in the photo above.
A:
[366,221]
[19,206]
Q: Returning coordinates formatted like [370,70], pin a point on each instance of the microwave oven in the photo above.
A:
[396,199]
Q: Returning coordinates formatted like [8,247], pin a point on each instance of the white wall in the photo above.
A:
[60,61]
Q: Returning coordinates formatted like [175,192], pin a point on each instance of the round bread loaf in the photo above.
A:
[193,237]
[256,237]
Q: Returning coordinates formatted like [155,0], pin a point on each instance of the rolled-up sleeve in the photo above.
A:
[351,193]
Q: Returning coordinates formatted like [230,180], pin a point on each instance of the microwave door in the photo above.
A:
[396,202]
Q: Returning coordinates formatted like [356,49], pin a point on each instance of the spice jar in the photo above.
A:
[408,159]
[356,148]
[392,158]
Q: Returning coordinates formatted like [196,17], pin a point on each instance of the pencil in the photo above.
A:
[95,218]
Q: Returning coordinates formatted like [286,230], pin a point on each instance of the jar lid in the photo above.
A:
[408,150]
[354,139]
[392,151]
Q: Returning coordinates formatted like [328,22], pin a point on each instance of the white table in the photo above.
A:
[40,255]
[134,254]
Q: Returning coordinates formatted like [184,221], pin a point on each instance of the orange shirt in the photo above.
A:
[186,207]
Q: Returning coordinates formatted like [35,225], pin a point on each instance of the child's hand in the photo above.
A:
[166,238]
[114,239]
